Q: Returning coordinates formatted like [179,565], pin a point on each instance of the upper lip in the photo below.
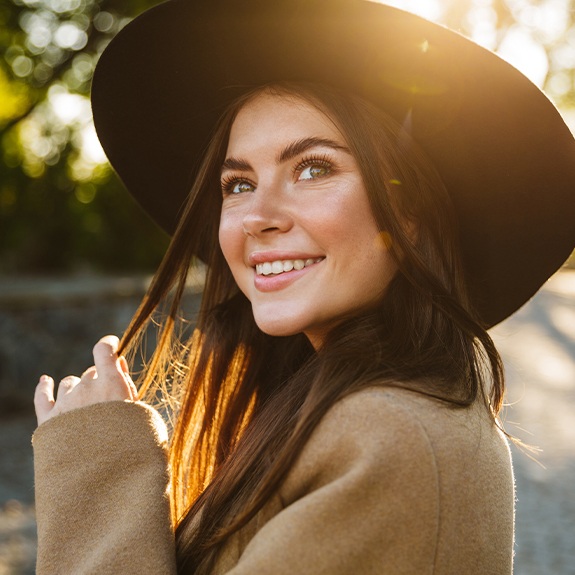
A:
[274,256]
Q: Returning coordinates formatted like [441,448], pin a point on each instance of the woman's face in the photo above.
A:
[296,227]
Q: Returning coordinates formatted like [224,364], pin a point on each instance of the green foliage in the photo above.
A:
[62,208]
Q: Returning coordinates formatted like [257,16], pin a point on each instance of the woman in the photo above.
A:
[338,399]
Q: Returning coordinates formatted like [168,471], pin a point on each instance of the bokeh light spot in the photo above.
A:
[528,56]
[62,6]
[85,193]
[103,22]
[22,66]
[70,36]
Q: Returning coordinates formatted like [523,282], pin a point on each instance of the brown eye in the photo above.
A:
[242,187]
[237,186]
[314,171]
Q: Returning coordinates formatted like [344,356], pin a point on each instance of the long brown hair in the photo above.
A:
[246,402]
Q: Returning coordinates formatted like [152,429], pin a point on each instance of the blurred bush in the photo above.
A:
[62,209]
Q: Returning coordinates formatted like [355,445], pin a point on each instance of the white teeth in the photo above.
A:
[281,266]
[277,267]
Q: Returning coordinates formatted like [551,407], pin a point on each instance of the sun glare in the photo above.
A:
[522,51]
[538,26]
[430,9]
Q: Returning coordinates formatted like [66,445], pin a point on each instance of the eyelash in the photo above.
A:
[314,160]
[228,182]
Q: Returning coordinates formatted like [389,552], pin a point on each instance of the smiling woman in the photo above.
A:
[362,226]
[287,204]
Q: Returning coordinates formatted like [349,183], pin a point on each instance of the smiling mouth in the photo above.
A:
[282,266]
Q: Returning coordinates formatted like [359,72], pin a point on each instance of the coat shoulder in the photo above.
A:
[373,433]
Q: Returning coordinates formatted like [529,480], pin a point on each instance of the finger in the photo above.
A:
[106,359]
[126,371]
[44,398]
[90,374]
[66,385]
[110,372]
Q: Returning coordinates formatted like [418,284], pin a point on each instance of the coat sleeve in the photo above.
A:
[362,498]
[101,481]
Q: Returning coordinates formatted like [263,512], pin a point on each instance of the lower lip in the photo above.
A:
[273,283]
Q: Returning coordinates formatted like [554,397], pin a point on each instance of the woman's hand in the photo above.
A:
[107,380]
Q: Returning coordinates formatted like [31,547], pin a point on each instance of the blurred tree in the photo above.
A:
[61,206]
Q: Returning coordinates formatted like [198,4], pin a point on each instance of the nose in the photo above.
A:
[267,213]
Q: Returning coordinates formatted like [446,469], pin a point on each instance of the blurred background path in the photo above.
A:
[538,345]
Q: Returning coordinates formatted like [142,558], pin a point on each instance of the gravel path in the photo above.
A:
[538,346]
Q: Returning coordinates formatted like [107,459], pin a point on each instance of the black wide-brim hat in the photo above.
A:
[502,149]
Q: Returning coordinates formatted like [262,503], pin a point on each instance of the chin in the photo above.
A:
[279,325]
[277,329]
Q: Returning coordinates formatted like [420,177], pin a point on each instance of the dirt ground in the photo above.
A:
[538,346]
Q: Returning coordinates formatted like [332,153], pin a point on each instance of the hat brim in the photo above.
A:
[502,149]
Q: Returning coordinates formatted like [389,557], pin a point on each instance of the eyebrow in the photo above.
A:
[236,164]
[288,153]
[296,148]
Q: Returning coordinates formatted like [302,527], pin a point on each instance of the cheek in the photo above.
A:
[229,237]
[232,239]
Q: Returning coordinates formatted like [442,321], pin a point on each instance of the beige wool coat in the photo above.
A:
[390,483]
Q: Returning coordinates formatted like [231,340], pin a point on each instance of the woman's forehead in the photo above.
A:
[285,103]
[270,116]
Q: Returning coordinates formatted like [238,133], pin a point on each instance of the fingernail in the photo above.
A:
[124,364]
[44,378]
